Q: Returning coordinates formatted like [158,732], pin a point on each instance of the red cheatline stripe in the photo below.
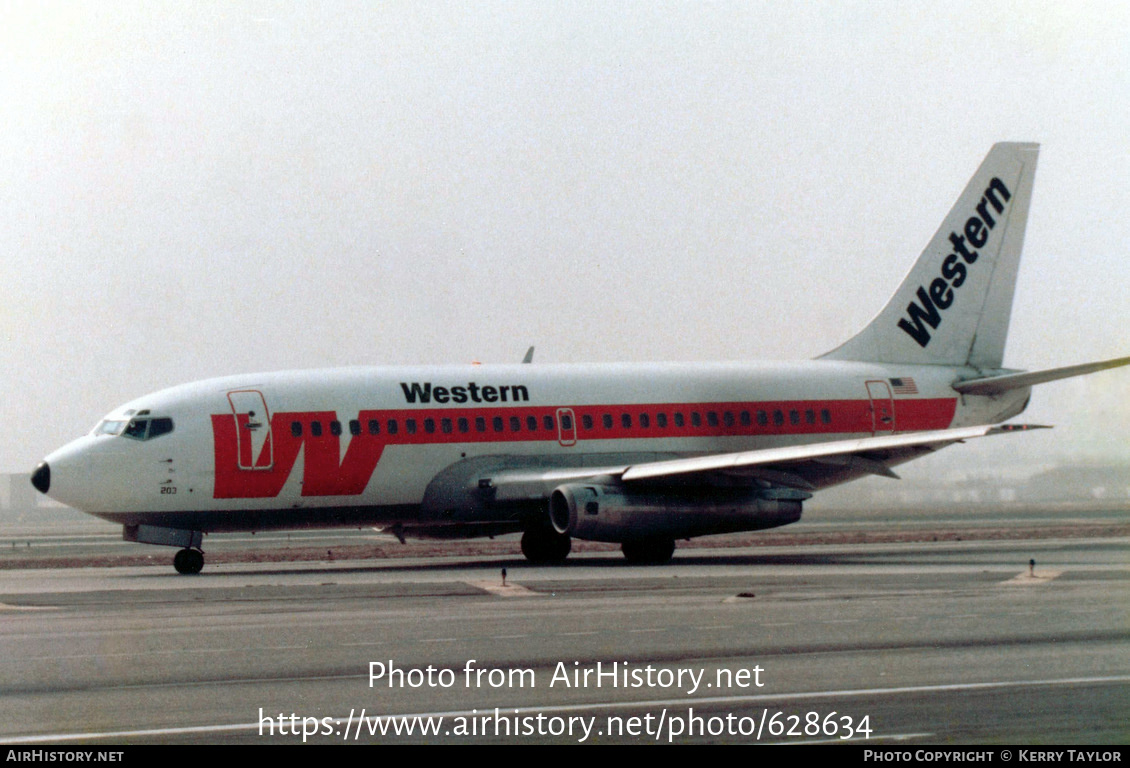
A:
[442,425]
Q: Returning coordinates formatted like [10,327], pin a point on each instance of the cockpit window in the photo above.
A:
[158,427]
[137,429]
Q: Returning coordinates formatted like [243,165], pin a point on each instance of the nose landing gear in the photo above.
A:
[189,561]
[190,558]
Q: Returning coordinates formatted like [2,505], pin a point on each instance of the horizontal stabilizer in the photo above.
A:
[992,385]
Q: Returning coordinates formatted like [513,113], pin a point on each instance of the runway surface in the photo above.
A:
[903,643]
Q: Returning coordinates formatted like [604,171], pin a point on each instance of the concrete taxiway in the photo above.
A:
[956,642]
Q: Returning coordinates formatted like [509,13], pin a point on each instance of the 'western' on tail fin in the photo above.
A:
[954,306]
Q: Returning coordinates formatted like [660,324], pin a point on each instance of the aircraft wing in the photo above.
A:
[875,452]
[805,467]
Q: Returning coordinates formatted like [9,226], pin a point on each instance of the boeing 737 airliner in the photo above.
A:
[640,455]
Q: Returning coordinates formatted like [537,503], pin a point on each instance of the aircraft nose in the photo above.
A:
[41,478]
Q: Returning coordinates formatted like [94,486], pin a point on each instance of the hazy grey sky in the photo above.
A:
[196,189]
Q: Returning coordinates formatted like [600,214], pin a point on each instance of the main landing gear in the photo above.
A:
[545,546]
[189,561]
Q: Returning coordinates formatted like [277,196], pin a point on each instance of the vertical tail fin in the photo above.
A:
[954,306]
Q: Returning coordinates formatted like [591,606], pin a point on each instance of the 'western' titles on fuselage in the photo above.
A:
[940,295]
[426,393]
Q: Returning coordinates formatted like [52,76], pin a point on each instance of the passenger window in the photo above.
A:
[810,416]
[626,420]
[778,417]
[497,423]
[607,420]
[532,423]
[464,425]
[696,419]
[410,426]
[728,419]
[745,419]
[480,424]
[762,418]
[586,421]
[712,418]
[645,420]
[445,425]
[661,420]
[566,422]
[335,428]
[826,416]
[679,420]
[316,428]
[549,426]
[794,416]
[374,427]
[296,428]
[515,424]
[430,425]
[354,427]
[393,427]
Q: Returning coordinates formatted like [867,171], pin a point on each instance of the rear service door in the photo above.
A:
[882,408]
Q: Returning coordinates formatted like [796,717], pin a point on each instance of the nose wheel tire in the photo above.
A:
[189,561]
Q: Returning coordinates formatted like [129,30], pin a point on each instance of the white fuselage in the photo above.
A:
[362,445]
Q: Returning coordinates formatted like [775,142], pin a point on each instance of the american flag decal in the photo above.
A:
[904,386]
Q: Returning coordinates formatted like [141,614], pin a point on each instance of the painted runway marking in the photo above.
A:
[606,705]
[869,740]
[1040,576]
[497,589]
[175,652]
[7,607]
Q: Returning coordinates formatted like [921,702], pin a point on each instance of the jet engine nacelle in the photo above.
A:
[611,513]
